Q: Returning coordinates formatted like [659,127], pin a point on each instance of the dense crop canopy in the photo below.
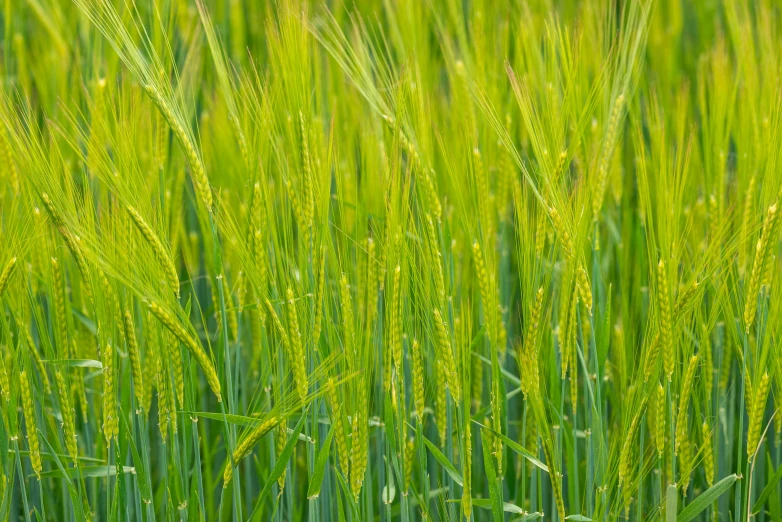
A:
[390,260]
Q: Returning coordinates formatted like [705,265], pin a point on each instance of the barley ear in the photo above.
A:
[761,254]
[708,453]
[5,275]
[191,344]
[135,357]
[157,248]
[756,415]
[110,420]
[28,409]
[660,432]
[684,402]
[664,304]
[245,446]
[66,412]
[297,354]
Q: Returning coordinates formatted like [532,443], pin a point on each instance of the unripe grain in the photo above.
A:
[584,289]
[340,432]
[5,275]
[664,304]
[135,357]
[761,254]
[708,453]
[418,379]
[157,248]
[66,412]
[445,353]
[110,420]
[659,437]
[246,445]
[320,296]
[197,171]
[684,402]
[29,419]
[756,414]
[652,356]
[297,354]
[562,232]
[627,447]
[192,345]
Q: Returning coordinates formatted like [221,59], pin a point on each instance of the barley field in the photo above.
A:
[391,260]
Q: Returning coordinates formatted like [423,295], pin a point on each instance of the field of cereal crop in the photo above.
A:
[394,260]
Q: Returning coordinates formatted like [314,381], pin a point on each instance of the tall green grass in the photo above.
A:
[391,260]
